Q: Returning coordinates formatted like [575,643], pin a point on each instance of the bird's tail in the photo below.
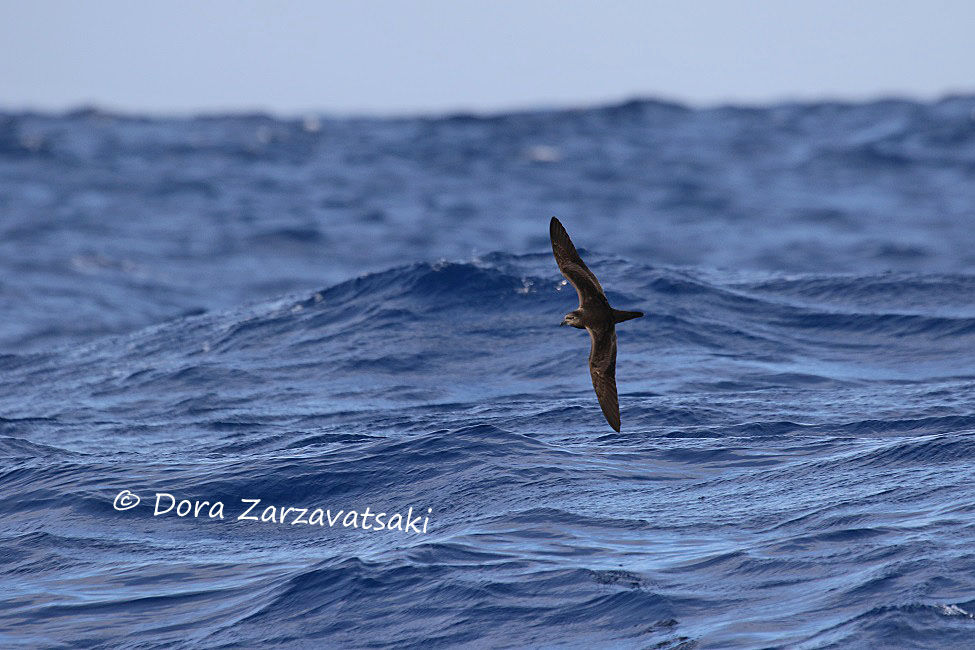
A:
[619,315]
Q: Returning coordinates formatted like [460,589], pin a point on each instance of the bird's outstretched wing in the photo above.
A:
[602,367]
[573,268]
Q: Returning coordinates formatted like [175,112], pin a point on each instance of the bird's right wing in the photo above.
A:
[572,266]
[602,367]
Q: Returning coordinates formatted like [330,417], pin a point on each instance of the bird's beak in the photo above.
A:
[563,323]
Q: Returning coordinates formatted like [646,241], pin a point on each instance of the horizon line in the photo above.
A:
[107,109]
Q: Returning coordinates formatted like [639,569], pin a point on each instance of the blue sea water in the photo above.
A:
[363,313]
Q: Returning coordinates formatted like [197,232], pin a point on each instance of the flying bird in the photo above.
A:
[596,317]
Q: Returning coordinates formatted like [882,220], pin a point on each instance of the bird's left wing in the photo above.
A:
[602,367]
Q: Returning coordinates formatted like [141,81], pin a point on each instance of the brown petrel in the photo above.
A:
[596,317]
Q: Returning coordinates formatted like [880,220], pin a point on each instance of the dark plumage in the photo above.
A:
[595,316]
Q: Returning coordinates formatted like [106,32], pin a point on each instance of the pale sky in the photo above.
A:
[397,57]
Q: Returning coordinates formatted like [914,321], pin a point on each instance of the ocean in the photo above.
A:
[231,342]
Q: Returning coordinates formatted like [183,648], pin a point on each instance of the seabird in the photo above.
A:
[596,317]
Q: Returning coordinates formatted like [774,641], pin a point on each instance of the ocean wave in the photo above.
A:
[307,312]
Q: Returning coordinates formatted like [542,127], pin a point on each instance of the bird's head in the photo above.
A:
[573,318]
